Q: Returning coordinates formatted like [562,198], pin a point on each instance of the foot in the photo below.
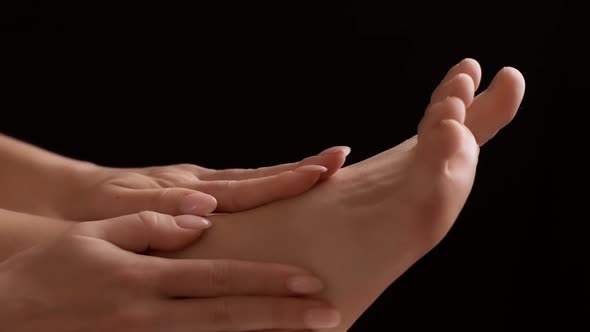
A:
[362,228]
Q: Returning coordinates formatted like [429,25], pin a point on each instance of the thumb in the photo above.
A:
[146,230]
[173,201]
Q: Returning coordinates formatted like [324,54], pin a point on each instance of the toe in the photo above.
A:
[441,177]
[496,107]
[466,66]
[460,86]
[451,108]
[446,148]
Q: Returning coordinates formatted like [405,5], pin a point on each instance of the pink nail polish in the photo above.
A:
[192,222]
[336,149]
[305,284]
[198,203]
[321,318]
[311,169]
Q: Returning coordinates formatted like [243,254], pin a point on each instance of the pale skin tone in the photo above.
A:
[362,228]
[374,219]
[62,284]
[39,182]
[46,187]
[91,278]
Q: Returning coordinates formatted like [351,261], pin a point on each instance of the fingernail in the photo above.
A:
[198,203]
[192,222]
[311,168]
[305,284]
[321,318]
[335,149]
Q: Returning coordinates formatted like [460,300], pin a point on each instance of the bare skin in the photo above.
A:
[366,225]
[92,277]
[37,181]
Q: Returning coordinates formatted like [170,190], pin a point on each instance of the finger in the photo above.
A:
[241,195]
[214,278]
[332,159]
[466,66]
[247,314]
[146,230]
[497,105]
[173,201]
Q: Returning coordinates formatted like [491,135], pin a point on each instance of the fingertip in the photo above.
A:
[304,284]
[198,203]
[346,150]
[310,173]
[181,231]
[336,149]
[311,169]
[334,161]
[192,222]
[322,318]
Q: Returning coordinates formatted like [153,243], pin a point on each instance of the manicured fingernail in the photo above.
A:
[305,284]
[335,149]
[311,169]
[321,318]
[192,222]
[198,203]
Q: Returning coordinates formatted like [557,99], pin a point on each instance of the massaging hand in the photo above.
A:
[100,192]
[94,278]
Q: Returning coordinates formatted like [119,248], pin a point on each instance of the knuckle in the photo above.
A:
[219,276]
[231,187]
[148,218]
[160,199]
[194,169]
[152,220]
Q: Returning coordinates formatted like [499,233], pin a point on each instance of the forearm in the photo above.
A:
[19,231]
[33,180]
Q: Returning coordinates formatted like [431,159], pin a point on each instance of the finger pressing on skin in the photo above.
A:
[182,278]
[238,313]
[496,106]
[146,230]
[332,158]
[173,201]
[241,195]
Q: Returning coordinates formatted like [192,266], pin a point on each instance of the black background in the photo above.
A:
[252,84]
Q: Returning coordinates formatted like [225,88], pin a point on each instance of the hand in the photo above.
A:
[91,278]
[100,192]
